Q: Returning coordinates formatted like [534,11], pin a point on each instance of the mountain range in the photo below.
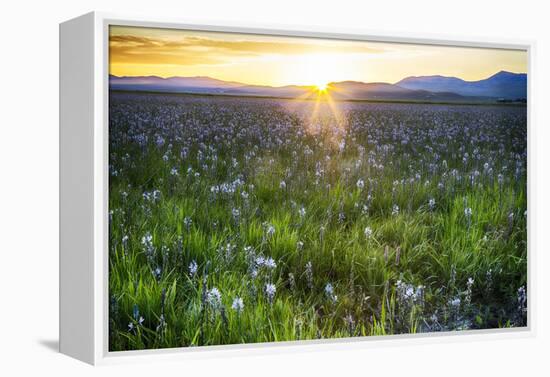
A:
[503,85]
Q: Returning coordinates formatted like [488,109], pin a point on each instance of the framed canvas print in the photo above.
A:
[226,187]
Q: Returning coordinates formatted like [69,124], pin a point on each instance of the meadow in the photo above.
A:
[245,220]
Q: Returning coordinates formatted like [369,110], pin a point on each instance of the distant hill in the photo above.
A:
[290,91]
[382,91]
[172,84]
[503,84]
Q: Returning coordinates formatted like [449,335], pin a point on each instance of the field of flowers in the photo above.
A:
[243,220]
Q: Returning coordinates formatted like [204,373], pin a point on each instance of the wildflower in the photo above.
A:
[282,185]
[238,304]
[309,275]
[174,172]
[302,212]
[489,278]
[395,210]
[368,232]
[226,252]
[270,290]
[253,272]
[360,184]
[125,241]
[522,299]
[187,222]
[431,204]
[160,141]
[236,214]
[152,196]
[138,319]
[249,251]
[291,281]
[162,323]
[299,245]
[342,145]
[157,272]
[469,285]
[270,230]
[270,263]
[260,260]
[341,217]
[193,267]
[214,298]
[468,213]
[455,302]
[348,319]
[147,240]
[329,292]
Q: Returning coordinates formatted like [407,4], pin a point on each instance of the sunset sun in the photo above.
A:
[321,86]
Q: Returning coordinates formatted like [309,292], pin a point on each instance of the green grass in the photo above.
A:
[401,279]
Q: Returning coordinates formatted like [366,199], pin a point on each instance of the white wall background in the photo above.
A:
[29,183]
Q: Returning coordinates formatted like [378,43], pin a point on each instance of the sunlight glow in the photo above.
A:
[322,86]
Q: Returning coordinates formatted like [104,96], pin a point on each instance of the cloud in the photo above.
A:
[193,50]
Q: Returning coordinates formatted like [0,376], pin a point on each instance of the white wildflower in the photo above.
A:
[238,304]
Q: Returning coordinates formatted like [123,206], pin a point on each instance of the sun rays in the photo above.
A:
[321,86]
[323,115]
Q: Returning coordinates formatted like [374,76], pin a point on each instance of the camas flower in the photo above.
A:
[329,292]
[309,274]
[270,290]
[455,302]
[368,232]
[214,298]
[270,263]
[236,214]
[238,304]
[395,210]
[157,272]
[187,222]
[193,268]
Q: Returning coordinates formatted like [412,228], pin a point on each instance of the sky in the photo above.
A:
[279,61]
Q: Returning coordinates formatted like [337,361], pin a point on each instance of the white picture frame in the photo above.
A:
[84,190]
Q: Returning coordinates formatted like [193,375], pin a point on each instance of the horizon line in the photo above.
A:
[314,85]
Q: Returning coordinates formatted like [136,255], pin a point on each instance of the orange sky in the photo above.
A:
[277,61]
